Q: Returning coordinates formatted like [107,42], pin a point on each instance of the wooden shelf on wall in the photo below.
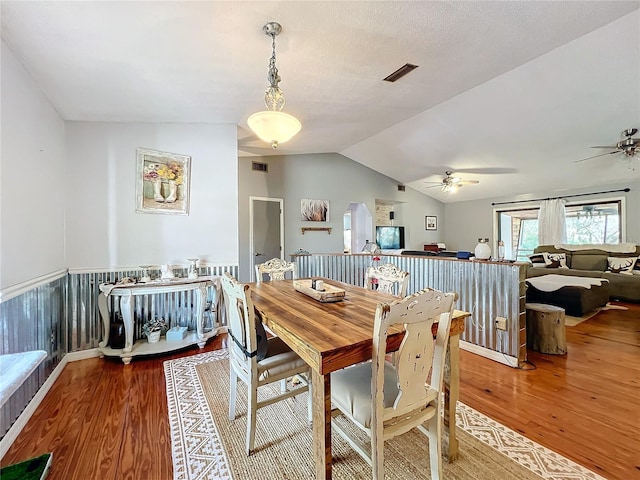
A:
[316,229]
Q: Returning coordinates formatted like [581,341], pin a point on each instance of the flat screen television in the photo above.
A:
[390,238]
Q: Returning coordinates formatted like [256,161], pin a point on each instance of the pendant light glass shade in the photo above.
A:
[274,127]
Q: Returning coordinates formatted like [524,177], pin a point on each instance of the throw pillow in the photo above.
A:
[636,269]
[556,260]
[538,261]
[621,265]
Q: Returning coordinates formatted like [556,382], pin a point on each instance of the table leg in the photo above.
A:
[322,424]
[104,313]
[126,308]
[451,396]
[200,296]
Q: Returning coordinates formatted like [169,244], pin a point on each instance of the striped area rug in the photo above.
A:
[206,445]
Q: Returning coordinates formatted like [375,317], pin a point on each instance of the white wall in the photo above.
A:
[103,228]
[468,221]
[340,180]
[33,175]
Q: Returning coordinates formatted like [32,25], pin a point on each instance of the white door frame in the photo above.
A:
[251,245]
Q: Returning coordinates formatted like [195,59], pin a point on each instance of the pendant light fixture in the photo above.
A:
[273,125]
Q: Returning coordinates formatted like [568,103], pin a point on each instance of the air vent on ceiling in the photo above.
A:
[401,72]
[401,188]
[260,167]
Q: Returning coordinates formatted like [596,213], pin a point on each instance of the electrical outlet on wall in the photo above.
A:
[501,323]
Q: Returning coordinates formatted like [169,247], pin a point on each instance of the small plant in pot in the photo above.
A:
[154,328]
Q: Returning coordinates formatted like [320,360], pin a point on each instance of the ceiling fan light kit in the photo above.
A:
[451,184]
[273,125]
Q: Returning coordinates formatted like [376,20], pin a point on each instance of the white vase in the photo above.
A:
[482,250]
[173,192]
[193,268]
[166,272]
[154,337]
[157,193]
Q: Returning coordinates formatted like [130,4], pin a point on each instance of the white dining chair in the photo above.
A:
[387,278]
[279,363]
[388,398]
[276,268]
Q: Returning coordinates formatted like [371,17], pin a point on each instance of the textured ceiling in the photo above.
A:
[507,93]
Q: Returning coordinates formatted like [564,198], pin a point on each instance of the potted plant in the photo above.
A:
[153,328]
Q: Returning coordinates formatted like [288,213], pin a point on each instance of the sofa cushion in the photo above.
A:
[623,287]
[555,260]
[589,261]
[623,265]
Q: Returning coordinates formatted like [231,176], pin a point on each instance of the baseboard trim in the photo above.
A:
[82,355]
[31,407]
[490,354]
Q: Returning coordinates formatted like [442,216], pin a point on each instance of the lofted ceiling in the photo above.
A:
[507,93]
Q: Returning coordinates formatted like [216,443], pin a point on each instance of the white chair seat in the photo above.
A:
[279,361]
[351,391]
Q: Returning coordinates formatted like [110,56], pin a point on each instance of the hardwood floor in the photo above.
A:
[583,405]
[106,421]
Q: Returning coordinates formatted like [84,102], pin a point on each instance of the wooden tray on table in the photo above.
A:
[327,295]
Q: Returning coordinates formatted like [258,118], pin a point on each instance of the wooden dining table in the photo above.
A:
[332,336]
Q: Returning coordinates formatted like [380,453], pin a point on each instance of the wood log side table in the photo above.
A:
[545,329]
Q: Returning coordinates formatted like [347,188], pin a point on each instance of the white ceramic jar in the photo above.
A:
[482,250]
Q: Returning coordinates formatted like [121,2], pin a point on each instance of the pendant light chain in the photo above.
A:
[273,78]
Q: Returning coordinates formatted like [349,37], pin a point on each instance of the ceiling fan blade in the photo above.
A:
[468,182]
[595,156]
[605,146]
[476,171]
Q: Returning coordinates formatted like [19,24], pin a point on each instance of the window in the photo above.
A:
[587,222]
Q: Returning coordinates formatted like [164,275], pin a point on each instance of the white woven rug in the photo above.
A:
[198,453]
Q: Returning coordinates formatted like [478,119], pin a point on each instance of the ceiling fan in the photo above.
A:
[450,184]
[628,146]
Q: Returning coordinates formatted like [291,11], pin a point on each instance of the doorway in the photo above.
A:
[357,227]
[266,230]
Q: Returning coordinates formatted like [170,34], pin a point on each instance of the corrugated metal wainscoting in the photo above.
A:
[486,289]
[59,314]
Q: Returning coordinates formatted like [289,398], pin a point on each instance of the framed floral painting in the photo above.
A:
[162,182]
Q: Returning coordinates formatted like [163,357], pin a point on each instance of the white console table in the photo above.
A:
[142,347]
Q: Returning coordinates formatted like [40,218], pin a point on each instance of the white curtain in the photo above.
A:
[552,222]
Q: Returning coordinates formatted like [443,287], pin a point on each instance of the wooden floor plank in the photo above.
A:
[105,420]
[98,447]
[582,405]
